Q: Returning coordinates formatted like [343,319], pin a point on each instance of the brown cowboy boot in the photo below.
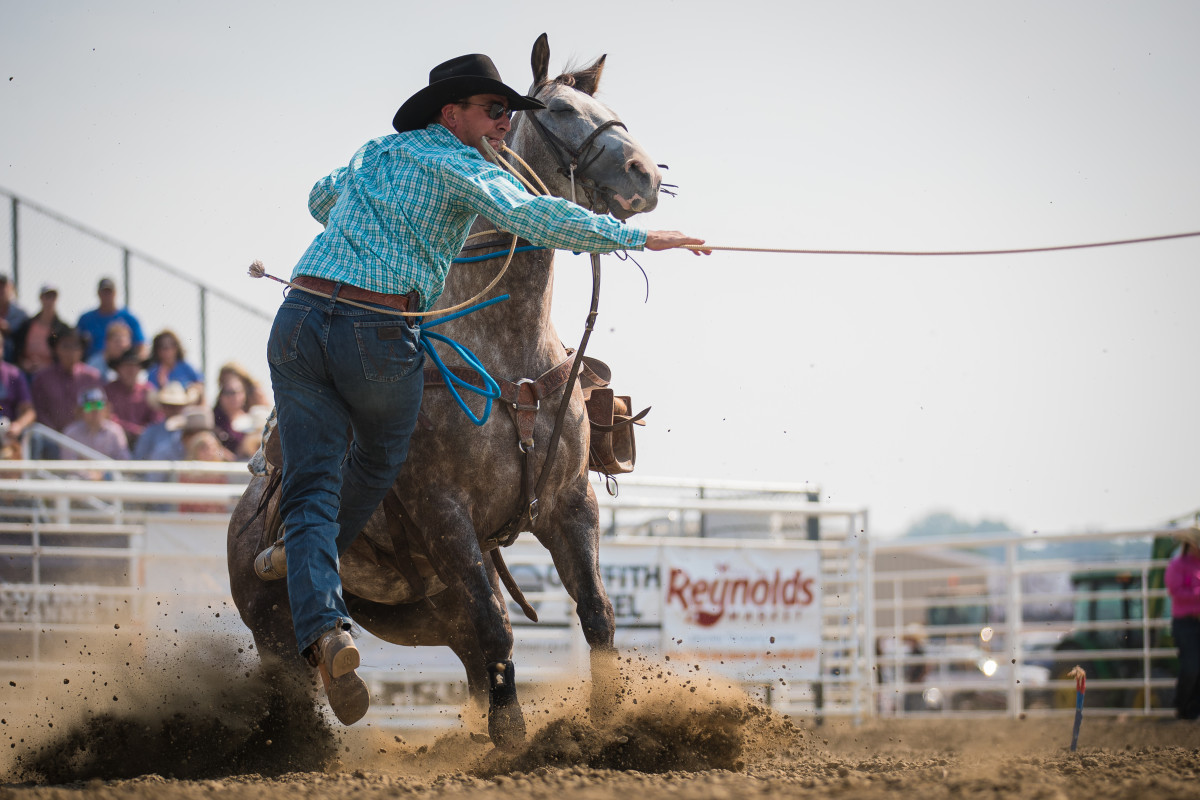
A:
[335,657]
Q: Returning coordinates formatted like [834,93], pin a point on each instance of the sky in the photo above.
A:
[1056,392]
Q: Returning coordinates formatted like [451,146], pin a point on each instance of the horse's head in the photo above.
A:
[577,133]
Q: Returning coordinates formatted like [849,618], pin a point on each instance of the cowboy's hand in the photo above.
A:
[666,240]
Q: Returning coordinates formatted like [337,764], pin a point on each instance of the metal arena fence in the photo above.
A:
[957,626]
[44,247]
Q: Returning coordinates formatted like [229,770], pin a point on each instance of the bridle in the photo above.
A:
[574,162]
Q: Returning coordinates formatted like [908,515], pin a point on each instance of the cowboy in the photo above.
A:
[394,219]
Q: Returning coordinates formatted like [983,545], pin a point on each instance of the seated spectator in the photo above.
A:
[16,407]
[130,398]
[12,317]
[204,446]
[163,441]
[229,412]
[32,339]
[118,337]
[58,387]
[93,325]
[167,364]
[95,429]
[255,396]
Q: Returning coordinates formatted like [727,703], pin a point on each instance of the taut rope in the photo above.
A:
[1013,251]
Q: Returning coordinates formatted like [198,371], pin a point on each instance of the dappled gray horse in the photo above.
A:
[418,575]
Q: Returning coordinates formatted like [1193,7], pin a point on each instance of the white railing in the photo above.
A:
[1014,653]
[868,603]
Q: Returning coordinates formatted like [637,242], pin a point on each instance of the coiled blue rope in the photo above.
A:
[490,390]
[498,254]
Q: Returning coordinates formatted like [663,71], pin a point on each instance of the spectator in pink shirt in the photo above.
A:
[1183,584]
[130,398]
[58,387]
[32,339]
[95,429]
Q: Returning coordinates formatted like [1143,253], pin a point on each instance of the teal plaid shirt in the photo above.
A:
[398,215]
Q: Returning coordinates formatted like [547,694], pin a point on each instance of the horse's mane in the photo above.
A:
[585,79]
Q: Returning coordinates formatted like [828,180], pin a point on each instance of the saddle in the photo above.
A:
[382,564]
[385,564]
[613,449]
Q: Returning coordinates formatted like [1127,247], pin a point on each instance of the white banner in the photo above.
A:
[752,614]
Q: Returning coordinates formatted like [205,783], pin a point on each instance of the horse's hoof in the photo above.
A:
[506,726]
[506,723]
[349,698]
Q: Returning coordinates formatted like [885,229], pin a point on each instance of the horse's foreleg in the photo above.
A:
[572,535]
[454,551]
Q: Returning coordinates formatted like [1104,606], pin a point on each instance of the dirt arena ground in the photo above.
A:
[179,729]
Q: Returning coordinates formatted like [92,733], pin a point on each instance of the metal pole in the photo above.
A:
[125,275]
[1013,629]
[1147,671]
[813,523]
[203,330]
[16,261]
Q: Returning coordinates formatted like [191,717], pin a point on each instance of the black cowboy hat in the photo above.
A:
[455,80]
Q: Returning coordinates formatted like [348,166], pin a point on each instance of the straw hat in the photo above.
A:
[192,419]
[254,420]
[174,394]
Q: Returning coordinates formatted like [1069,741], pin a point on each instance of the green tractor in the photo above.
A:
[1116,596]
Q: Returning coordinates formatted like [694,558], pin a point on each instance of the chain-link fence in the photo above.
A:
[42,247]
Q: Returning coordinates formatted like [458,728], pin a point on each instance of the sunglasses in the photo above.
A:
[93,405]
[494,110]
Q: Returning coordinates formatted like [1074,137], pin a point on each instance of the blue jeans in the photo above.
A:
[342,376]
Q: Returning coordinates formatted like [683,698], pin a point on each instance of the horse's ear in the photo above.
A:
[540,59]
[586,80]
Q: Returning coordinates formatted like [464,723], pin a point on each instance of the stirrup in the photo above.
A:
[271,564]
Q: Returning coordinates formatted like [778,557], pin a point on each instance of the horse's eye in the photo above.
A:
[558,106]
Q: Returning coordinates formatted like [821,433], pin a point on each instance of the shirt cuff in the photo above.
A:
[631,237]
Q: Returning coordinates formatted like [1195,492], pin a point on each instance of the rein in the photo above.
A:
[527,514]
[574,160]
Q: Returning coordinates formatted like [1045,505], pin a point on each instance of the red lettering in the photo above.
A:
[677,587]
[707,600]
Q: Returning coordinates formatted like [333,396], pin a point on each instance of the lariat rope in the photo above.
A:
[1013,251]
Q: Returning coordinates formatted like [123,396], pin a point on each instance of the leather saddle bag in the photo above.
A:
[613,450]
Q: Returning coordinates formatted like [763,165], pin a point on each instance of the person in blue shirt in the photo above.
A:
[168,364]
[394,219]
[94,324]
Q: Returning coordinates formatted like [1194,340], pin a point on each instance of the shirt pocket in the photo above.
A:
[283,344]
[389,349]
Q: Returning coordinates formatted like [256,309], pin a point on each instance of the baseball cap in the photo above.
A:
[47,288]
[93,399]
[106,283]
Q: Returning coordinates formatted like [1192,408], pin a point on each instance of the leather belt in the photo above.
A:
[345,291]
